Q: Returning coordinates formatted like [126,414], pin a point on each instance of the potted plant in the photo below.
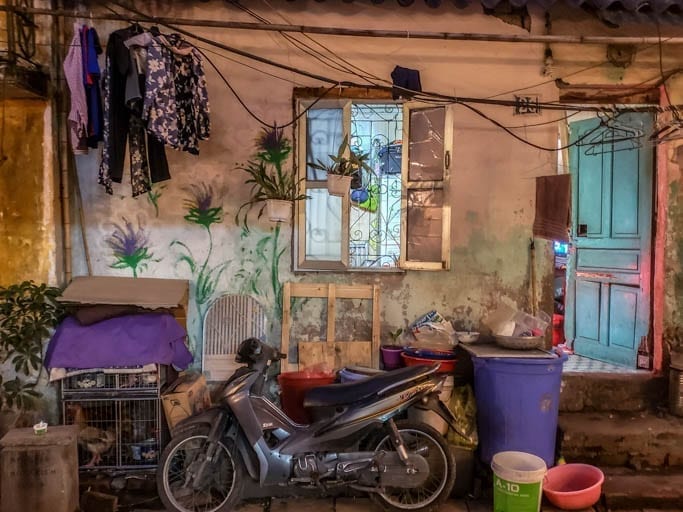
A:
[28,312]
[344,166]
[273,185]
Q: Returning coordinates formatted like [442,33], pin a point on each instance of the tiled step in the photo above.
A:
[631,490]
[586,392]
[640,440]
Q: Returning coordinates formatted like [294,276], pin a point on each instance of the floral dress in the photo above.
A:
[176,105]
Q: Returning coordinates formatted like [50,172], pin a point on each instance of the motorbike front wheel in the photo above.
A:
[423,440]
[188,482]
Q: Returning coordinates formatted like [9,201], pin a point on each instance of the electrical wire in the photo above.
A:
[254,68]
[532,144]
[423,96]
[573,73]
[249,111]
[303,47]
[552,121]
[360,72]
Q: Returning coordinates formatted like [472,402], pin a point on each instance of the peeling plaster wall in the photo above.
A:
[673,316]
[27,211]
[492,182]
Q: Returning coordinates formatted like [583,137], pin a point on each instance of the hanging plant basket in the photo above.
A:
[278,210]
[338,185]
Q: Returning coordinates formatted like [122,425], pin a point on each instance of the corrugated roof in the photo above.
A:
[637,6]
[611,11]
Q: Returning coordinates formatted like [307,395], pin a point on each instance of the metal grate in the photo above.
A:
[231,319]
[119,417]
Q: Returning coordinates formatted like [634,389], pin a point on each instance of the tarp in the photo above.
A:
[129,340]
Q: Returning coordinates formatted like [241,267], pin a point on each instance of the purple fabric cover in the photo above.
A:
[129,340]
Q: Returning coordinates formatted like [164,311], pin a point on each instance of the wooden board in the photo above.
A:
[333,353]
[337,355]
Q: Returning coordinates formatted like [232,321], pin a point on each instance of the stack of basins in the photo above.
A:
[446,360]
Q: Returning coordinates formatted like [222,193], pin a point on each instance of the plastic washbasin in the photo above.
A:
[445,365]
[573,486]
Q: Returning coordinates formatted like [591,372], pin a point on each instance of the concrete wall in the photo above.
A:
[492,182]
[28,213]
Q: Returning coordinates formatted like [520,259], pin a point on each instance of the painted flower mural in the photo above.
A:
[203,209]
[130,246]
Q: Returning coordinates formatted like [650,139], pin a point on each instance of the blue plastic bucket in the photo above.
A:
[347,375]
[517,405]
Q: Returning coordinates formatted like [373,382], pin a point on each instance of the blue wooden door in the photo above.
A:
[608,283]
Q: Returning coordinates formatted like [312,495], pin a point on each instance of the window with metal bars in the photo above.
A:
[396,215]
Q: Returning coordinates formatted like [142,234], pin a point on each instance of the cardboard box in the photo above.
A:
[185,397]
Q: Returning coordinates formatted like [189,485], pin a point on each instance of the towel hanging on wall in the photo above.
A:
[553,200]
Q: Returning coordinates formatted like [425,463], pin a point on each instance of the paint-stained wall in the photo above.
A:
[27,209]
[185,228]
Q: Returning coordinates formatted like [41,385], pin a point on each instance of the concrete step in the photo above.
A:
[640,440]
[632,490]
[587,392]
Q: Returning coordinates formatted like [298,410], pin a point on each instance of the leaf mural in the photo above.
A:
[130,246]
[153,197]
[203,210]
[260,270]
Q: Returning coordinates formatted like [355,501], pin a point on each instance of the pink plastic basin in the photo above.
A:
[573,486]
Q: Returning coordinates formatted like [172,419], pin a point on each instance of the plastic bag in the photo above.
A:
[464,407]
[508,321]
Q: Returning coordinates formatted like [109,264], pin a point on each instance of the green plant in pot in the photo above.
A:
[273,186]
[28,312]
[343,168]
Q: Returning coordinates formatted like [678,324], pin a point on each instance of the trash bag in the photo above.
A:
[463,405]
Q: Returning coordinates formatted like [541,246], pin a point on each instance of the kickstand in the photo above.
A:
[334,504]
[266,504]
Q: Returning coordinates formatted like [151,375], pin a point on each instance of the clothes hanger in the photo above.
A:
[613,136]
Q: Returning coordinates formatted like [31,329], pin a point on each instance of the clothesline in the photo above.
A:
[153,95]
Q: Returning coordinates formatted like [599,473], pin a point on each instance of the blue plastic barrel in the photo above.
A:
[517,405]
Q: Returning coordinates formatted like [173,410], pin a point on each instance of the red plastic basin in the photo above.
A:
[573,486]
[293,387]
[446,365]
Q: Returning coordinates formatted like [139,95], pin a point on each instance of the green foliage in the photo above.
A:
[27,313]
[342,164]
[266,173]
[153,197]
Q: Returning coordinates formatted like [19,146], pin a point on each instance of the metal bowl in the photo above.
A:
[518,342]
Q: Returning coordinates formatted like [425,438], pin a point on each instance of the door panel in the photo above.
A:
[588,309]
[590,194]
[608,260]
[608,289]
[622,315]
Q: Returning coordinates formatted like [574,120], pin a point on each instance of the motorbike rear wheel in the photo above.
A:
[221,483]
[423,439]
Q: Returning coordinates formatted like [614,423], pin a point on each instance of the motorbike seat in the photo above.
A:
[342,394]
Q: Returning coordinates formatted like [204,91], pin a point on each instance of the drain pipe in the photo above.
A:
[60,115]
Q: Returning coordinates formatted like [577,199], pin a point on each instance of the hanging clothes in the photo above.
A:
[78,113]
[90,45]
[176,105]
[147,155]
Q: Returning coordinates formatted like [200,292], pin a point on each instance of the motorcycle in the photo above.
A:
[246,447]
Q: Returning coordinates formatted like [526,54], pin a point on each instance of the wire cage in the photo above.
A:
[117,379]
[119,417]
